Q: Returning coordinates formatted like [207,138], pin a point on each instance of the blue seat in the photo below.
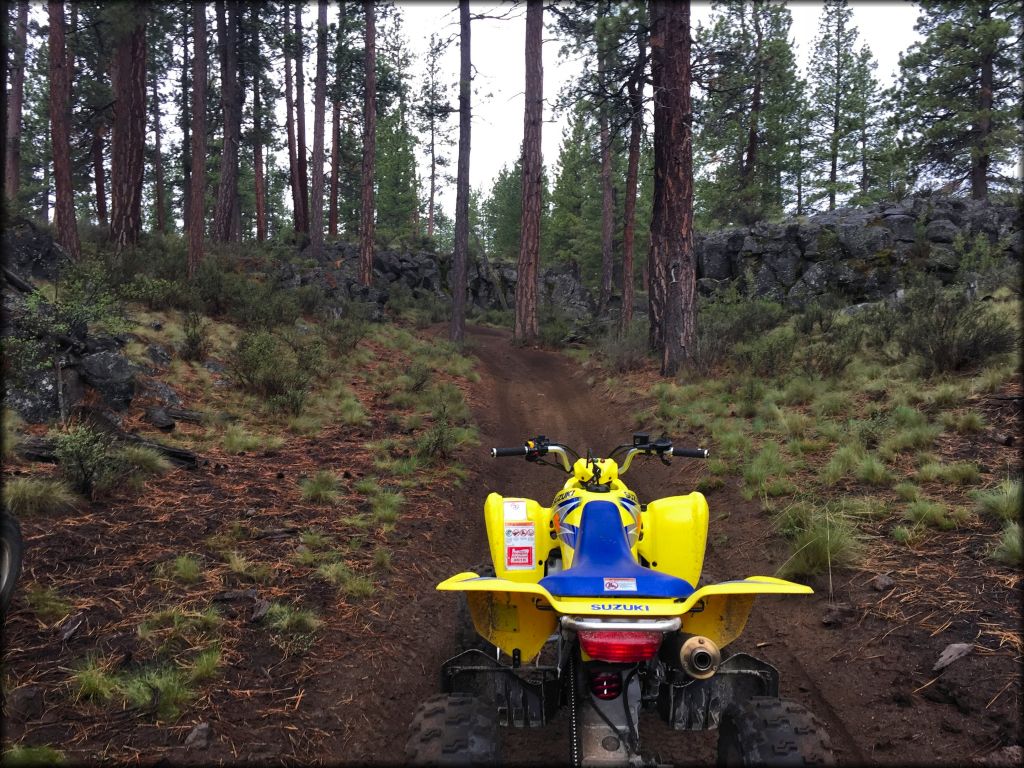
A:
[602,561]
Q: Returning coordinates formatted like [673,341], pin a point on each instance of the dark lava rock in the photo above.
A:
[158,418]
[158,354]
[25,703]
[160,391]
[112,375]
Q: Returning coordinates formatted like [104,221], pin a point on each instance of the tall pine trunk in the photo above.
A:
[300,119]
[366,223]
[981,154]
[673,265]
[158,163]
[197,213]
[128,76]
[185,121]
[15,101]
[316,220]
[607,203]
[65,227]
[634,87]
[525,328]
[332,216]
[227,189]
[99,175]
[260,179]
[293,161]
[460,258]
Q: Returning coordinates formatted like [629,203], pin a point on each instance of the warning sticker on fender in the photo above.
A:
[620,585]
[519,546]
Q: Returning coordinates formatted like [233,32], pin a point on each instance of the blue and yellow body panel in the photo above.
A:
[523,615]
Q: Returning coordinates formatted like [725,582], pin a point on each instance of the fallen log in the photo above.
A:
[17,282]
[44,449]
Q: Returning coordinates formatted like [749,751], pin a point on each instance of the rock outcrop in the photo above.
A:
[859,254]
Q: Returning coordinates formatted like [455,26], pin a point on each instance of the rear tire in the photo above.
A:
[453,729]
[11,551]
[765,731]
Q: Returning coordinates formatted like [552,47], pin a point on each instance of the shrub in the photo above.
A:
[266,366]
[768,356]
[948,330]
[29,496]
[82,454]
[159,293]
[554,326]
[625,351]
[196,344]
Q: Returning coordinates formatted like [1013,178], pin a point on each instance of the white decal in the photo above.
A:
[620,585]
[515,509]
[519,545]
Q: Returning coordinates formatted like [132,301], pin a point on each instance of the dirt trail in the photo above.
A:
[858,684]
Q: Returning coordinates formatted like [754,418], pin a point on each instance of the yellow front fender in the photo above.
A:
[523,615]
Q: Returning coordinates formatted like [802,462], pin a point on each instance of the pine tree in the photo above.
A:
[574,235]
[460,239]
[316,221]
[65,227]
[366,224]
[12,160]
[432,112]
[197,194]
[745,142]
[396,196]
[833,71]
[959,91]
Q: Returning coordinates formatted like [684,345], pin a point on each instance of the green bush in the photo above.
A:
[728,320]
[628,350]
[947,330]
[196,345]
[342,334]
[83,455]
[265,365]
[768,356]
[159,292]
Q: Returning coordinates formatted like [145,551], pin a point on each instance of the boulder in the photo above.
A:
[112,375]
[941,231]
[902,227]
[31,251]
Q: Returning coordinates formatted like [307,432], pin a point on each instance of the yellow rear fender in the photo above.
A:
[523,615]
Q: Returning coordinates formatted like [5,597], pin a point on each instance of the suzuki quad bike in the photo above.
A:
[593,604]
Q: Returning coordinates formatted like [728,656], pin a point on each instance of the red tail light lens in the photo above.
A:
[619,646]
[606,685]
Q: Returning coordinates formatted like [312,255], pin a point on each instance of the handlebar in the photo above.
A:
[662,447]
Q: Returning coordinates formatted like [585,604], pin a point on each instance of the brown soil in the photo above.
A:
[350,695]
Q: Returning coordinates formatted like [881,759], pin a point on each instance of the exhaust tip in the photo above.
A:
[699,657]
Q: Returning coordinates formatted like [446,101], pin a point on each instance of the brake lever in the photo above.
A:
[664,460]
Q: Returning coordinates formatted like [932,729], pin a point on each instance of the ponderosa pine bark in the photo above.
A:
[196,231]
[300,119]
[673,266]
[366,223]
[634,88]
[99,175]
[607,203]
[227,189]
[525,328]
[65,227]
[332,216]
[15,102]
[158,164]
[185,119]
[293,161]
[316,219]
[460,258]
[128,78]
[259,174]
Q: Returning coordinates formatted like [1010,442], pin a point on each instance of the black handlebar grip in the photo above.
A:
[499,453]
[691,453]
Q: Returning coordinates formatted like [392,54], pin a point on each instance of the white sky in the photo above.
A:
[499,59]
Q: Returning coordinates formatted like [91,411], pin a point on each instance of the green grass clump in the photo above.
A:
[142,461]
[843,461]
[385,505]
[1002,502]
[93,681]
[831,404]
[382,559]
[322,488]
[367,486]
[306,425]
[237,440]
[24,755]
[240,565]
[286,620]
[205,665]
[907,491]
[30,496]
[169,686]
[184,569]
[826,541]
[968,423]
[908,535]
[959,473]
[872,471]
[936,515]
[1009,550]
[799,391]
[945,396]
[341,576]
[905,417]
[47,604]
[767,465]
[314,539]
[909,438]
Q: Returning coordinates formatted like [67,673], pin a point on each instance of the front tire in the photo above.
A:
[765,731]
[453,729]
[10,559]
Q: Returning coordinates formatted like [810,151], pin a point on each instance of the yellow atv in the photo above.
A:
[593,603]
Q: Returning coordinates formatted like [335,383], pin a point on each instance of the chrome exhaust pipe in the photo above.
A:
[696,655]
